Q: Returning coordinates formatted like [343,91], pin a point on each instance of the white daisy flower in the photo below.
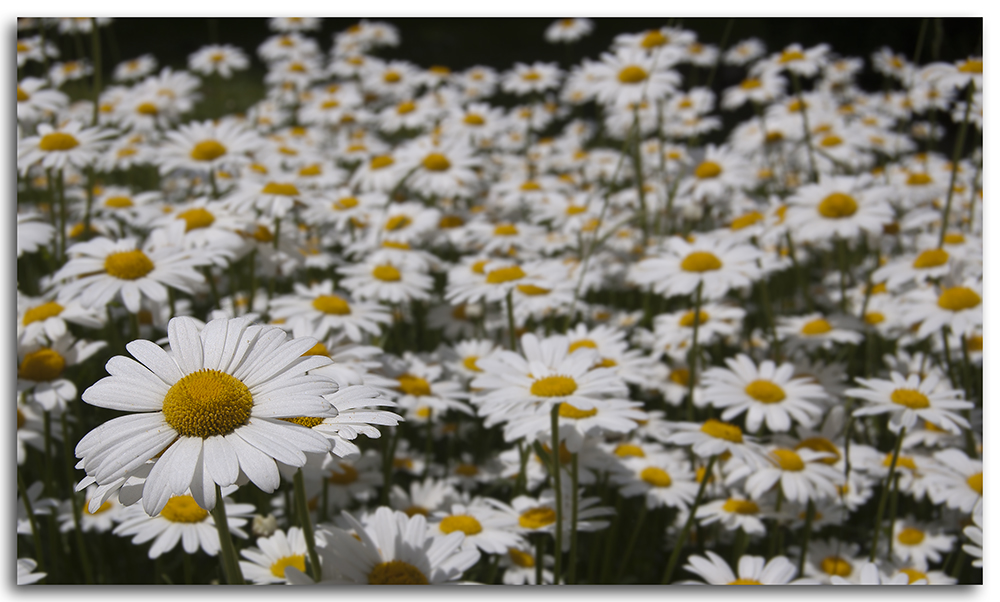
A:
[957,481]
[223,59]
[717,264]
[568,30]
[212,406]
[485,528]
[266,563]
[801,476]
[26,574]
[70,145]
[918,543]
[41,367]
[732,513]
[911,397]
[206,146]
[752,570]
[869,574]
[321,310]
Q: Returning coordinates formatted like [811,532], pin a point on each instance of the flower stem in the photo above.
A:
[510,321]
[806,533]
[695,351]
[676,554]
[234,575]
[575,477]
[75,502]
[813,174]
[955,155]
[35,533]
[302,506]
[885,494]
[557,486]
[643,510]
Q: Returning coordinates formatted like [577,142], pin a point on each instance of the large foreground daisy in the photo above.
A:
[209,411]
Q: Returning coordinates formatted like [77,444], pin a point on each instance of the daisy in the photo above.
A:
[524,79]
[911,397]
[30,429]
[713,265]
[519,567]
[752,570]
[266,563]
[958,482]
[32,233]
[815,330]
[568,30]
[538,514]
[631,76]
[734,512]
[442,169]
[205,147]
[41,369]
[43,318]
[136,68]
[838,206]
[181,520]
[575,425]
[766,392]
[215,58]
[975,533]
[26,574]
[720,172]
[485,528]
[389,548]
[212,407]
[35,100]
[869,574]
[801,476]
[349,480]
[385,281]
[424,497]
[70,145]
[322,310]
[102,270]
[958,308]
[797,60]
[664,479]
[713,437]
[742,53]
[916,543]
[100,520]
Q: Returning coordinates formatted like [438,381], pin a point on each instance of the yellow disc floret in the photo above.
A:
[208,150]
[632,74]
[58,141]
[508,274]
[396,572]
[183,509]
[788,459]
[413,385]
[701,261]
[567,410]
[536,518]
[959,298]
[722,430]
[838,206]
[42,365]
[207,403]
[40,313]
[128,265]
[196,218]
[657,477]
[553,386]
[910,536]
[707,170]
[332,304]
[386,273]
[931,258]
[436,162]
[910,398]
[765,391]
[460,522]
[278,566]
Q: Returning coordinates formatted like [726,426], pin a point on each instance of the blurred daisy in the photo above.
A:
[223,59]
[26,574]
[919,544]
[715,264]
[568,30]
[321,310]
[266,563]
[752,570]
[70,145]
[911,397]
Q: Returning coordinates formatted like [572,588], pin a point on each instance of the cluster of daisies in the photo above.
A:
[399,324]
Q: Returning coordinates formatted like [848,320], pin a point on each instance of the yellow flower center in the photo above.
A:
[39,313]
[976,482]
[58,141]
[207,403]
[436,162]
[707,170]
[750,84]
[391,77]
[831,141]
[687,320]
[396,572]
[835,565]
[128,265]
[281,189]
[791,55]
[959,298]
[910,536]
[467,470]
[332,304]
[183,509]
[632,74]
[278,566]
[971,66]
[874,317]
[837,206]
[765,391]
[42,365]
[531,290]
[570,411]
[473,119]
[414,510]
[208,150]
[913,574]
[701,261]
[628,450]
[505,230]
[306,421]
[196,218]
[103,508]
[521,559]
[386,273]
[657,477]
[413,385]
[118,202]
[460,522]
[508,274]
[746,220]
[531,76]
[910,398]
[974,343]
[536,518]
[470,363]
[406,107]
[147,108]
[653,39]
[397,222]
[735,506]
[344,475]
[381,161]
[821,444]
[742,581]
[22,95]
[722,430]
[553,386]
[931,258]
[347,202]
[680,376]
[816,327]
[586,343]
[530,185]
[901,462]
[450,221]
[788,459]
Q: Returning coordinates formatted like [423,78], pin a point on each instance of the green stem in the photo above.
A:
[955,155]
[630,547]
[539,556]
[676,554]
[75,502]
[557,486]
[813,173]
[302,506]
[575,479]
[885,494]
[512,330]
[230,562]
[35,533]
[95,39]
[695,353]
[47,439]
[807,532]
